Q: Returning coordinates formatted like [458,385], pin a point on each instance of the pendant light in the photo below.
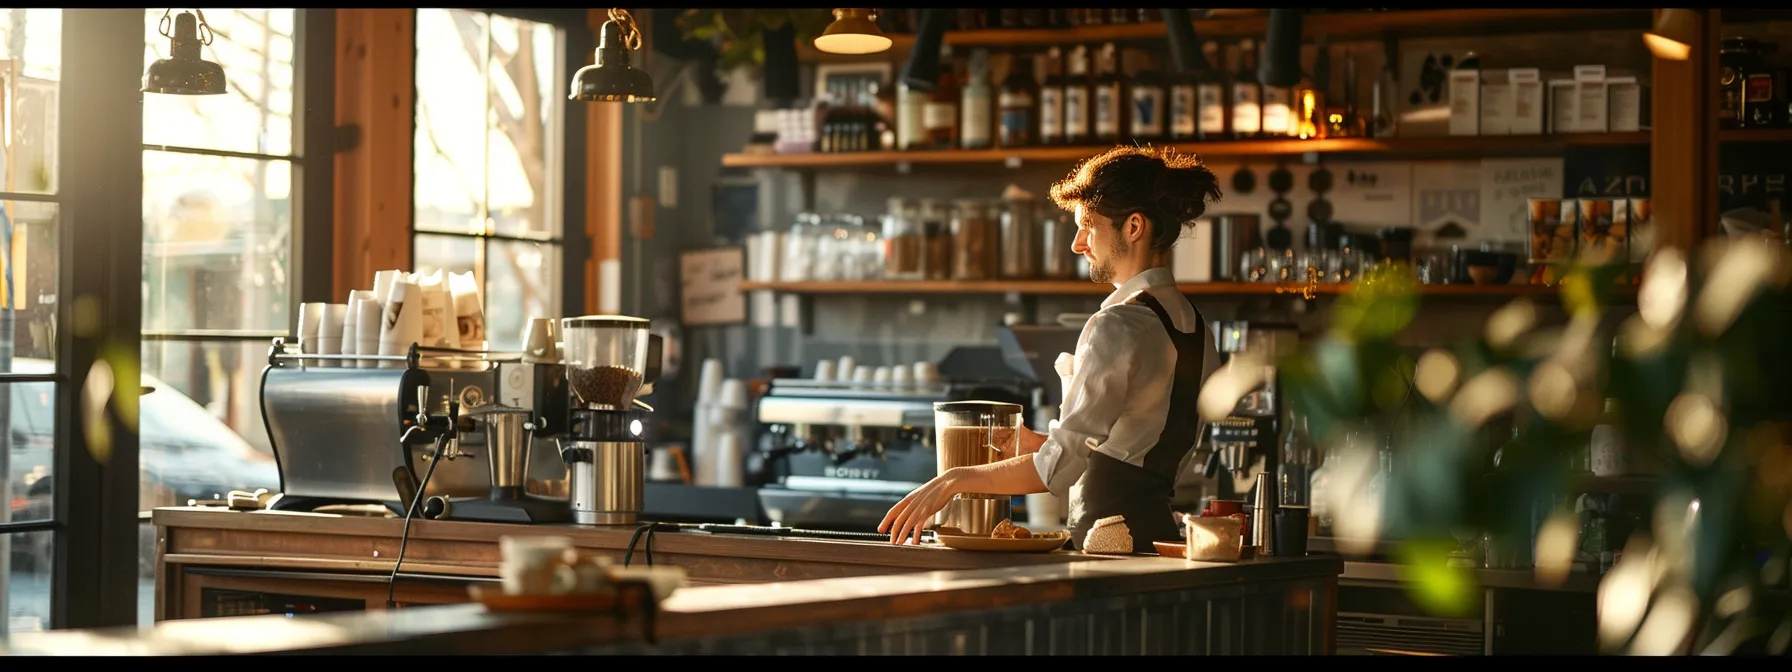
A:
[184,72]
[611,78]
[1281,49]
[854,31]
[1673,34]
[922,72]
[1185,51]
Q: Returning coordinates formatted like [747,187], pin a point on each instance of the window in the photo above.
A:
[218,234]
[488,160]
[30,75]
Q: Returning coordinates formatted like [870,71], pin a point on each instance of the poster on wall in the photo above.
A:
[710,286]
[1507,185]
[1446,199]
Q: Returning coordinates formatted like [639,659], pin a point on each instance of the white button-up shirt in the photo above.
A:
[1117,386]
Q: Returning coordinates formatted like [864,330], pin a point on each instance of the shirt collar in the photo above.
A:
[1156,276]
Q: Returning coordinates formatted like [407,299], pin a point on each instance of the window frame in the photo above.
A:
[99,203]
[573,241]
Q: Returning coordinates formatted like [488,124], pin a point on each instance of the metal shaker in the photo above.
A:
[1263,516]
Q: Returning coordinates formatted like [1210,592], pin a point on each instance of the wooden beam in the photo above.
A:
[375,84]
[1683,152]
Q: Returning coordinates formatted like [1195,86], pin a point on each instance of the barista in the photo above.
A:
[1128,414]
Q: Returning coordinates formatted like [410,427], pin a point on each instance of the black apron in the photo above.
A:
[1111,487]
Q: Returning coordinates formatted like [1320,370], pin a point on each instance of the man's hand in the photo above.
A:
[908,518]
[1030,441]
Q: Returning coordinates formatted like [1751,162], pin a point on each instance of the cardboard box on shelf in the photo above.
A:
[1527,101]
[1591,103]
[1496,102]
[1465,102]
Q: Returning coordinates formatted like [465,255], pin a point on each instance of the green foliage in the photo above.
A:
[1692,394]
[739,34]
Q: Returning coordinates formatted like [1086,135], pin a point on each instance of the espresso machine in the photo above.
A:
[839,454]
[1245,443]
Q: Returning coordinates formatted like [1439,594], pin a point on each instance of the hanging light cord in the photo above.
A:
[631,35]
[205,29]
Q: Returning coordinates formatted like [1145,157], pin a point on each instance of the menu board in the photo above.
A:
[710,286]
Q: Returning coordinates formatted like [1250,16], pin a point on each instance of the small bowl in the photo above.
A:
[1170,549]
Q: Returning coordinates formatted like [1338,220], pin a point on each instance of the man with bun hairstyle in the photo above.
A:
[1127,418]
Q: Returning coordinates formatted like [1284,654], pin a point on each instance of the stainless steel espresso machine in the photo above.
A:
[840,454]
[1245,443]
[346,435]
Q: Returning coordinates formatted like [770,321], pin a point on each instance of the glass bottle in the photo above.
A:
[1299,458]
[911,132]
[1117,16]
[1078,128]
[976,104]
[1211,90]
[1147,113]
[1183,117]
[1017,102]
[1382,122]
[940,116]
[1247,94]
[1309,97]
[1051,99]
[1108,99]
[1278,107]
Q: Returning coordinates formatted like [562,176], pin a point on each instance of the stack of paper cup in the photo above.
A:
[729,460]
[709,392]
[369,313]
[310,315]
[824,370]
[329,331]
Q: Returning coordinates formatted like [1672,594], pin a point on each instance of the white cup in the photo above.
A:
[824,371]
[901,377]
[528,564]
[1044,510]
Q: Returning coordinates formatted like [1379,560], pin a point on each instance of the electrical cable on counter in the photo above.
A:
[410,513]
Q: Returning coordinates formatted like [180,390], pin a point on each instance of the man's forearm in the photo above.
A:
[1013,476]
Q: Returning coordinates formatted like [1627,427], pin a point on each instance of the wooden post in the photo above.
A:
[1683,150]
[603,202]
[375,81]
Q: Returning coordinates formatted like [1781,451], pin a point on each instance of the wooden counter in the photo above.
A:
[349,557]
[1124,606]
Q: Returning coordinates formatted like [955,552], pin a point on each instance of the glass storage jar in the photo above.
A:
[936,235]
[903,241]
[975,237]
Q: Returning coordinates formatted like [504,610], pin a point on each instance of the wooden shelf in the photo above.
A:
[1084,287]
[1433,145]
[1755,135]
[1334,26]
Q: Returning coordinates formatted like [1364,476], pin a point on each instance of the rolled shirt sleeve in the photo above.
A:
[1098,394]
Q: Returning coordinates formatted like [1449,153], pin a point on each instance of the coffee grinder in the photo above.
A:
[1250,432]
[607,358]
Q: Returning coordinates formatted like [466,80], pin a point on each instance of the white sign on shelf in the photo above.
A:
[710,283]
[1507,185]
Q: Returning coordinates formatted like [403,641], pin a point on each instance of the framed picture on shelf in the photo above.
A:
[831,78]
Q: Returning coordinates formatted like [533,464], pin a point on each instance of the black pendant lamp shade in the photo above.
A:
[184,72]
[1281,49]
[611,78]
[922,72]
[782,77]
[1185,52]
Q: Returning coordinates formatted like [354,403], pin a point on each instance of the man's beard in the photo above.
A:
[1103,271]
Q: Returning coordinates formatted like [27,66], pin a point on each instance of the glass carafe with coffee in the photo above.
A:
[968,434]
[607,363]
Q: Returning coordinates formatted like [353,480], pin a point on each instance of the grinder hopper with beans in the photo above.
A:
[608,359]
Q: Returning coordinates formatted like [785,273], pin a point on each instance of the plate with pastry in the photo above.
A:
[1005,538]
